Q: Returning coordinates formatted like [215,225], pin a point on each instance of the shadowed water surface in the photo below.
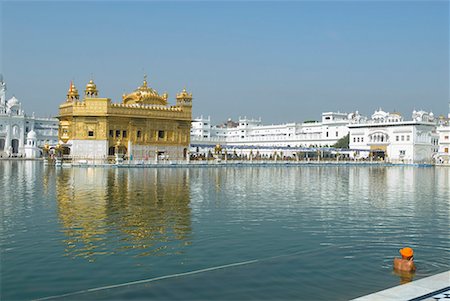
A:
[301,233]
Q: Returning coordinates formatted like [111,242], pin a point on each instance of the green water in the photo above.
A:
[310,233]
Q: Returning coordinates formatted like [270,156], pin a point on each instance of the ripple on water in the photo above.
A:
[312,230]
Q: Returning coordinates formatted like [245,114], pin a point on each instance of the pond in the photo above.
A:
[227,233]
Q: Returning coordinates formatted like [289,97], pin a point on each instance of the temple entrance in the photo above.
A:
[378,152]
[2,145]
[15,146]
[378,155]
[121,150]
[185,153]
[65,150]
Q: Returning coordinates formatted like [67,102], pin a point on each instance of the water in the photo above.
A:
[310,233]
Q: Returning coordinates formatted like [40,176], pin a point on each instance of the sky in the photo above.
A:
[285,61]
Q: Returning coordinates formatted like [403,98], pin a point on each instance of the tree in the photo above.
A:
[343,142]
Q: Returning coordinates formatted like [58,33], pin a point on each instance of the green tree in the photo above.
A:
[343,142]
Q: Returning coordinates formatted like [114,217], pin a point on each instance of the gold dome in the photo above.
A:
[91,89]
[145,89]
[144,95]
[72,93]
[184,95]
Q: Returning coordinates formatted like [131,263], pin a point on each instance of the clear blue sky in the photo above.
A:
[282,61]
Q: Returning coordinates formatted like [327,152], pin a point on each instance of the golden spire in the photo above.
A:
[72,94]
[91,89]
[144,83]
[147,91]
[144,87]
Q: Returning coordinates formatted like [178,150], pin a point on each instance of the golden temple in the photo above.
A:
[141,127]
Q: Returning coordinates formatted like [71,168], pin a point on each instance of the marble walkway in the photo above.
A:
[436,287]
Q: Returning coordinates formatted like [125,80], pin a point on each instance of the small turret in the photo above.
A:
[2,91]
[72,94]
[184,98]
[31,149]
[91,89]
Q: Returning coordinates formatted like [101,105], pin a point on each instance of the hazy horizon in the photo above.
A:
[281,61]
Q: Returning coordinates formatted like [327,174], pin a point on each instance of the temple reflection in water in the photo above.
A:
[139,211]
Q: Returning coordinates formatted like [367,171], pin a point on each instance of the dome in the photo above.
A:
[72,88]
[380,115]
[145,89]
[72,93]
[144,95]
[91,89]
[13,102]
[91,85]
[184,95]
[31,135]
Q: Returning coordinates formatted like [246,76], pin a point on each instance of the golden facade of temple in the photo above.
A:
[141,127]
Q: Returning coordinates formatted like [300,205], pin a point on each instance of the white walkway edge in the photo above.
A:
[411,290]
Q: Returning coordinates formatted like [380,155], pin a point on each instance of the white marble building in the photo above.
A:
[382,136]
[15,126]
[389,136]
[249,137]
[443,130]
[443,155]
[252,133]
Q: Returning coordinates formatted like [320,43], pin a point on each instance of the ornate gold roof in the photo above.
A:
[145,95]
[72,94]
[184,95]
[91,89]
